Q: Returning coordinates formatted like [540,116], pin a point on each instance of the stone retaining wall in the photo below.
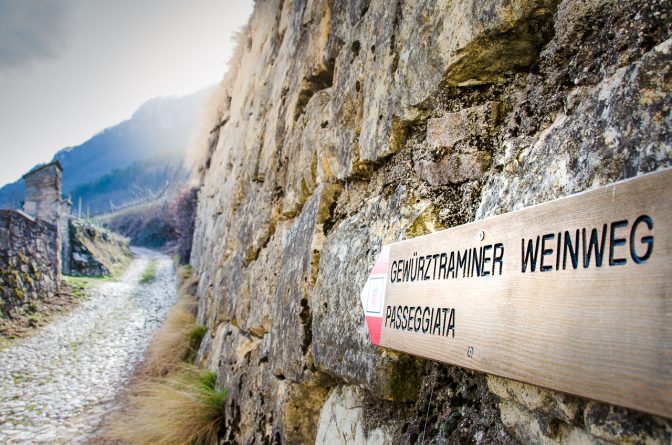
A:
[29,261]
[344,125]
[95,251]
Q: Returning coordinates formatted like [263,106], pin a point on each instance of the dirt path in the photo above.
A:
[56,385]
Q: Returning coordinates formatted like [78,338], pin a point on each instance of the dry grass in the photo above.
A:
[171,402]
[173,342]
[183,408]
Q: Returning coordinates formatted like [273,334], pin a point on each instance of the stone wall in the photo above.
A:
[28,261]
[344,125]
[95,251]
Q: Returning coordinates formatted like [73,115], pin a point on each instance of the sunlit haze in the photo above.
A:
[72,68]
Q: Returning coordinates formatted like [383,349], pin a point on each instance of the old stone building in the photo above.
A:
[44,201]
[32,240]
[43,192]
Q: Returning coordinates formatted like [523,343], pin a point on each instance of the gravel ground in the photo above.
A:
[56,385]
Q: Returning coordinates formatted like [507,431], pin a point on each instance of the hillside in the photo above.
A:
[140,180]
[156,137]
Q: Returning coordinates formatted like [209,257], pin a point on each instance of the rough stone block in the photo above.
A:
[526,426]
[308,140]
[300,411]
[470,125]
[454,168]
[291,309]
[342,420]
[254,315]
[618,425]
[617,129]
[534,398]
[341,345]
[467,43]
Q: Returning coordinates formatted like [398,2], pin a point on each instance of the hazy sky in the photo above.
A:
[71,68]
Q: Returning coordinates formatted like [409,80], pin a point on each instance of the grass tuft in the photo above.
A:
[208,379]
[171,344]
[179,338]
[197,334]
[149,274]
[183,408]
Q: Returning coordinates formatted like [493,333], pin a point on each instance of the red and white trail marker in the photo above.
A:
[373,295]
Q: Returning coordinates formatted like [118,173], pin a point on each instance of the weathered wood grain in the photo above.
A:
[599,332]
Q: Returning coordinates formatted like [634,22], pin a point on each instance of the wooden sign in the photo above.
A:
[573,295]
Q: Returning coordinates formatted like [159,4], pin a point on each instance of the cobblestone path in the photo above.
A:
[56,385]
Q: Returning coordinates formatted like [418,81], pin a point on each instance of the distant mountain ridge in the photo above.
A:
[137,156]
